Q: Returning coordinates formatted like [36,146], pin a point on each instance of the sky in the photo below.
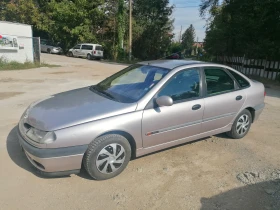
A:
[186,16]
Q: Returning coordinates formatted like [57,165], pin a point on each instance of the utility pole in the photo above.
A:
[180,37]
[130,29]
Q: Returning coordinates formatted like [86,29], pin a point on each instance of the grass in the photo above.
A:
[13,65]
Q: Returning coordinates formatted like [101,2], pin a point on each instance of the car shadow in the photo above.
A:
[260,196]
[18,157]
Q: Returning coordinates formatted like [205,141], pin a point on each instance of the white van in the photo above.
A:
[87,50]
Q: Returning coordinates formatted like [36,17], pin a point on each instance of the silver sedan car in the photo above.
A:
[143,108]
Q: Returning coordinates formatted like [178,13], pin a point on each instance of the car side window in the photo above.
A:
[243,83]
[87,47]
[218,81]
[77,47]
[182,86]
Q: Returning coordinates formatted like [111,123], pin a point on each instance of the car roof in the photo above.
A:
[88,44]
[170,64]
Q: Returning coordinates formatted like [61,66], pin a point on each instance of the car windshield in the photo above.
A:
[130,84]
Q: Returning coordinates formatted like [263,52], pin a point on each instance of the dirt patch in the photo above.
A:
[256,177]
[5,95]
[61,72]
[10,80]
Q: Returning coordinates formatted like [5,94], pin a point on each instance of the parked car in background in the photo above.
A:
[144,108]
[87,50]
[49,47]
[173,56]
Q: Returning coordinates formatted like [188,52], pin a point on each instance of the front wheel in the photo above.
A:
[107,156]
[241,125]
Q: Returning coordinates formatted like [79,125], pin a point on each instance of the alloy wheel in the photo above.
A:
[110,158]
[242,124]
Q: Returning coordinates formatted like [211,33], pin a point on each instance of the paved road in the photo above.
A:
[199,175]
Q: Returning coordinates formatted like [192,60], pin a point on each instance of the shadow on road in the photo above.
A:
[261,196]
[18,156]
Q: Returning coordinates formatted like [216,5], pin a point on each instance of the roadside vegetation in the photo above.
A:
[13,65]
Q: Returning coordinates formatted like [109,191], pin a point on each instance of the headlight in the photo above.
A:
[42,137]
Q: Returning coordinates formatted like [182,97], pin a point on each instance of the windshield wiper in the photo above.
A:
[103,92]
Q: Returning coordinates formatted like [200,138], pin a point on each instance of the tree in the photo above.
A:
[237,27]
[152,28]
[188,38]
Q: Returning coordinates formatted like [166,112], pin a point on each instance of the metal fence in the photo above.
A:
[255,67]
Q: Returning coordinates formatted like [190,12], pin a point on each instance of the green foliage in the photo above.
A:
[239,27]
[188,40]
[97,21]
[175,47]
[152,28]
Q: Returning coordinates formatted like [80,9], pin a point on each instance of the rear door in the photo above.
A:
[99,50]
[223,99]
[86,49]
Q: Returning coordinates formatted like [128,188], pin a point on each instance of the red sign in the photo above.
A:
[1,36]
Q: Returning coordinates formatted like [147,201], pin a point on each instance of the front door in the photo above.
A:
[223,99]
[182,119]
[77,50]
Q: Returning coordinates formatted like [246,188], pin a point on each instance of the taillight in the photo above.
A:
[264,93]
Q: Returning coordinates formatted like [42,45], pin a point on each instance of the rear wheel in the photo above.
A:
[49,51]
[107,156]
[89,56]
[241,125]
[70,54]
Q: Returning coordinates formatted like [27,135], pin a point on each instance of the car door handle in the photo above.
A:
[238,98]
[196,107]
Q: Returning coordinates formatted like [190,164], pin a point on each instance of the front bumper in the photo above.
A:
[54,162]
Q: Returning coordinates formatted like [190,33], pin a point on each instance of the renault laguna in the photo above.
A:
[141,109]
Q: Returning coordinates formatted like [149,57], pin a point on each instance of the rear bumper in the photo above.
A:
[54,162]
[258,111]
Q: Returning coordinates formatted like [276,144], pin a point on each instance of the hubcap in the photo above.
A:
[110,158]
[242,124]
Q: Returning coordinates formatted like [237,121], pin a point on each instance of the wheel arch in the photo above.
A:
[128,136]
[252,111]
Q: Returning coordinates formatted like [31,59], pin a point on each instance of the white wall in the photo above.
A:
[24,37]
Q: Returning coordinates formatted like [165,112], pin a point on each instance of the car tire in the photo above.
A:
[70,54]
[107,156]
[49,51]
[241,125]
[89,56]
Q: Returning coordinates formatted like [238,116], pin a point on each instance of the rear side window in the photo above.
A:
[218,81]
[241,81]
[99,48]
[87,47]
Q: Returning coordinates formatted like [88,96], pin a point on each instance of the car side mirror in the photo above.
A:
[164,101]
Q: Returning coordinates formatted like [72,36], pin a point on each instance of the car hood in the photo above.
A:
[71,108]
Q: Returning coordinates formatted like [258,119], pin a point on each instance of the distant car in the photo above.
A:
[144,108]
[87,50]
[173,56]
[49,47]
